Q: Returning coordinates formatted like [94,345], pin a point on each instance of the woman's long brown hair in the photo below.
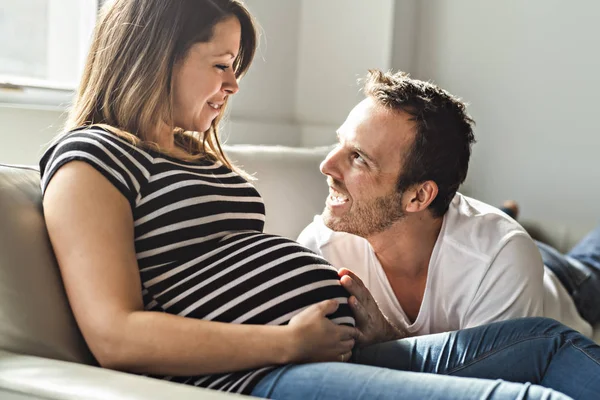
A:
[126,85]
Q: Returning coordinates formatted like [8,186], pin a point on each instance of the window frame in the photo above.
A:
[26,92]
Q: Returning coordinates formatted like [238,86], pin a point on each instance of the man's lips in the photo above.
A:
[336,196]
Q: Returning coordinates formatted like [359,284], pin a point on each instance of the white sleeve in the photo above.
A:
[309,237]
[513,286]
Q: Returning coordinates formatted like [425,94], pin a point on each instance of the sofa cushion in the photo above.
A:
[35,317]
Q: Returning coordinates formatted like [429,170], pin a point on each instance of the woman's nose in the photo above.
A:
[231,86]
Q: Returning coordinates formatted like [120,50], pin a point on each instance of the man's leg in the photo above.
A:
[579,272]
[333,381]
[571,274]
[588,250]
[537,350]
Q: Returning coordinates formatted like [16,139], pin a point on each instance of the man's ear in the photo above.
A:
[420,196]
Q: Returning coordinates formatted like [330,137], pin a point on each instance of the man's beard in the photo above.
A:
[368,218]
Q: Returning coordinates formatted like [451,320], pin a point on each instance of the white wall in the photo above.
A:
[339,41]
[263,111]
[530,71]
[304,81]
[404,35]
[267,92]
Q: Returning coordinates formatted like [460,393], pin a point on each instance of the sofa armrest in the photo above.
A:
[30,377]
[10,395]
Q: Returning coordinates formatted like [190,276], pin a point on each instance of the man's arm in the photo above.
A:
[512,287]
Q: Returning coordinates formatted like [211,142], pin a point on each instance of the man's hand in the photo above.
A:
[373,326]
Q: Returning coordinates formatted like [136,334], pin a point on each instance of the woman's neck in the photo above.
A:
[165,138]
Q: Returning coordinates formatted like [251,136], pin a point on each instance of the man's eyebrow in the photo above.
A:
[360,151]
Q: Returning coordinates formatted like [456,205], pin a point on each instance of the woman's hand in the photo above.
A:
[316,339]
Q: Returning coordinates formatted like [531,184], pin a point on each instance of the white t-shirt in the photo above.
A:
[484,268]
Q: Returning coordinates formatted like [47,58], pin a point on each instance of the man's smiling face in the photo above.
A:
[363,170]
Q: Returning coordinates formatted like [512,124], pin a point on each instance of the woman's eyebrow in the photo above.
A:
[227,53]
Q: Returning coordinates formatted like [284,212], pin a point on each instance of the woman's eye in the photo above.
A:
[222,67]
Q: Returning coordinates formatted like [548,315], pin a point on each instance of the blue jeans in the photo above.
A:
[535,354]
[579,272]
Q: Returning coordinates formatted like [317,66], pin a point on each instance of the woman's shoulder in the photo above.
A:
[121,161]
[97,143]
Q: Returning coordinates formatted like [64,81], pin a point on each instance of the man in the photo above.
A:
[433,259]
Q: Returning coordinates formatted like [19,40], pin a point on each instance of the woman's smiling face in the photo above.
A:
[205,78]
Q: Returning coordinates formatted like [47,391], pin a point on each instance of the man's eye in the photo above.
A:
[222,67]
[357,158]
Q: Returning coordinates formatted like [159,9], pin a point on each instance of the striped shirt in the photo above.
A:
[200,245]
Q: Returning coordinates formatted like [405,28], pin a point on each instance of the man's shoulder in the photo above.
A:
[479,227]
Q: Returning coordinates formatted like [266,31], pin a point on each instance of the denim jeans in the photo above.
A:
[539,356]
[579,272]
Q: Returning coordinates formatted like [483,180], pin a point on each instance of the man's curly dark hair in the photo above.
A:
[441,149]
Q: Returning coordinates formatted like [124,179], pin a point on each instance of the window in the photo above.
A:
[43,50]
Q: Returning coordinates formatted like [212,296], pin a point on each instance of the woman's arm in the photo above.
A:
[91,229]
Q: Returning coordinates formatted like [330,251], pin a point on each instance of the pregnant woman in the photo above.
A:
[160,244]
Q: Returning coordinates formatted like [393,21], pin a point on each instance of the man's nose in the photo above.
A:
[330,166]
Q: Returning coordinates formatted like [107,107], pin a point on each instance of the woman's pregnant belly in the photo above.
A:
[248,278]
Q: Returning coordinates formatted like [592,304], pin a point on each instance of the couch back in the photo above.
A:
[35,317]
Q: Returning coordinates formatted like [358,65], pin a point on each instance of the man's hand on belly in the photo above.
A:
[373,326]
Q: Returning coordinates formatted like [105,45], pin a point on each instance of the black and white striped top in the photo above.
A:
[199,243]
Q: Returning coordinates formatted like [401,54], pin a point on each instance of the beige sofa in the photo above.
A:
[42,353]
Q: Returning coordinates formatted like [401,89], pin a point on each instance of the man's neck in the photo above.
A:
[405,249]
